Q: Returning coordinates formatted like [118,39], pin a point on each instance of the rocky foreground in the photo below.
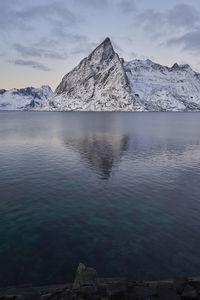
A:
[88,286]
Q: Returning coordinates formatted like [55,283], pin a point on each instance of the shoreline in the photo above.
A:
[110,288]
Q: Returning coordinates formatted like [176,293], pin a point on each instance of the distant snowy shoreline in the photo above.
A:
[24,99]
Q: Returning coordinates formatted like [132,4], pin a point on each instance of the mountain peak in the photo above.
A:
[104,51]
[98,83]
[104,82]
[107,40]
[185,67]
[175,66]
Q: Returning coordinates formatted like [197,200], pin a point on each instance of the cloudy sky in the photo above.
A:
[41,40]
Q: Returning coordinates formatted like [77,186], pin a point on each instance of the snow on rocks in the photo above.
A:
[98,83]
[160,88]
[24,99]
[104,82]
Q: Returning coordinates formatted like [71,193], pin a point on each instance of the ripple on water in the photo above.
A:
[119,192]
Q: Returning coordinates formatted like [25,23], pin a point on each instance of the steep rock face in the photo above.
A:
[98,83]
[24,99]
[160,88]
[103,82]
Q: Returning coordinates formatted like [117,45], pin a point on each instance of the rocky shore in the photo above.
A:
[88,286]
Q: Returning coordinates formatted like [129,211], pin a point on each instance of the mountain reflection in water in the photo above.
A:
[142,222]
[101,150]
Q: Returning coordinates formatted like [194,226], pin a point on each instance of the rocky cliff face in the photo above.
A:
[24,99]
[103,82]
[98,83]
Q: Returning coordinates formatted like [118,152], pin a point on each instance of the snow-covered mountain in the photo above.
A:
[24,99]
[159,88]
[104,82]
[98,83]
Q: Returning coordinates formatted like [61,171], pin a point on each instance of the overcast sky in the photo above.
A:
[42,40]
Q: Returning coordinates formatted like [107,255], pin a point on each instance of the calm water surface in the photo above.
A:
[117,191]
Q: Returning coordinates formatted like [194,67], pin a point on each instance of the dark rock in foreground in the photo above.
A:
[85,276]
[87,286]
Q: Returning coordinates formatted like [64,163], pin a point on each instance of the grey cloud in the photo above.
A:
[51,20]
[55,48]
[3,53]
[93,3]
[39,52]
[183,15]
[179,17]
[50,11]
[151,21]
[10,18]
[25,15]
[83,49]
[30,63]
[63,36]
[79,44]
[128,6]
[189,42]
[134,55]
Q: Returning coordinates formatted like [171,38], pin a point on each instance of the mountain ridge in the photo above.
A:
[104,82]
[24,99]
[98,83]
[162,88]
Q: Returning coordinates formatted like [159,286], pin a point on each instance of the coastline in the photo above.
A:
[115,289]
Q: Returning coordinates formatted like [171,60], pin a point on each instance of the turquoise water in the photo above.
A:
[116,191]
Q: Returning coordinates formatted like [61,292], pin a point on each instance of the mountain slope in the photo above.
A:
[160,88]
[24,99]
[98,83]
[103,82]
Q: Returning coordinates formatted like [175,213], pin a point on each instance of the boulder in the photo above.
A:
[189,292]
[85,276]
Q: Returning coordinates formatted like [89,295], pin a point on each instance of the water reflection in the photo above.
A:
[101,150]
[102,140]
[55,211]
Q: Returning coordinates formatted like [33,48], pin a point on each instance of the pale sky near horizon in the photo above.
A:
[42,40]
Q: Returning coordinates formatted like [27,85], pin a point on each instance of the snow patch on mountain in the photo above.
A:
[160,88]
[98,83]
[104,82]
[24,99]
